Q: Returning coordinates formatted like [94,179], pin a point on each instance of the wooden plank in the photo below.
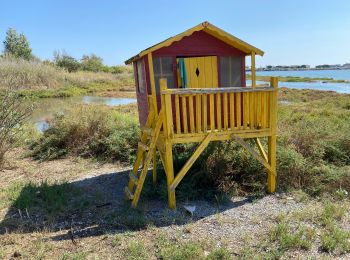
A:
[263,111]
[190,162]
[245,110]
[192,91]
[258,110]
[225,111]
[251,111]
[205,112]
[184,114]
[191,112]
[219,136]
[218,111]
[211,112]
[238,110]
[177,114]
[198,114]
[232,110]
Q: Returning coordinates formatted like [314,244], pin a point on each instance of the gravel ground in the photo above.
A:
[236,224]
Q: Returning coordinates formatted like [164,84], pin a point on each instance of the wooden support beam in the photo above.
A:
[261,148]
[252,152]
[190,162]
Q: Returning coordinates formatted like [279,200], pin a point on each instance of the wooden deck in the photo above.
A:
[204,115]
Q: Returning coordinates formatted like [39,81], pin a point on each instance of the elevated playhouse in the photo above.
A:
[191,88]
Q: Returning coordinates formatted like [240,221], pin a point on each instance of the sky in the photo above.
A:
[290,32]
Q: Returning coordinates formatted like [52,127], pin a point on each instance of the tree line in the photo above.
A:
[17,45]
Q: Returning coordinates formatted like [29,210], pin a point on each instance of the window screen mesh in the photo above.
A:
[163,68]
[230,71]
[141,76]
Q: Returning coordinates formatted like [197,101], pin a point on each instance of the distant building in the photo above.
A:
[346,66]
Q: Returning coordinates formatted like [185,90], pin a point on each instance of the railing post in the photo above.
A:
[252,66]
[272,139]
[167,106]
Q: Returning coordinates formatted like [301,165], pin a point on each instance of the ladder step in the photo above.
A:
[143,146]
[133,178]
[147,130]
[128,193]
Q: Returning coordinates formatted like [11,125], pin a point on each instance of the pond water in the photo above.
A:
[47,107]
[319,85]
[335,74]
[337,87]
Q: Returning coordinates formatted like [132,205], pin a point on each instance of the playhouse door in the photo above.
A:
[201,72]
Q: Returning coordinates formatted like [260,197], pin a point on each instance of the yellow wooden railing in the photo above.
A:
[198,111]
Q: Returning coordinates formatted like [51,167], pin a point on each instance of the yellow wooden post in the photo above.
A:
[272,140]
[253,69]
[154,172]
[168,133]
[169,168]
[153,85]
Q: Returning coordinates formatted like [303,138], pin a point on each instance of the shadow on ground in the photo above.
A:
[95,205]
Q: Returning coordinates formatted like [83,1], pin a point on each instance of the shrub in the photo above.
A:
[67,62]
[13,113]
[89,131]
[92,63]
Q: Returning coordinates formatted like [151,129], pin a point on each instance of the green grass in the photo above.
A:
[136,251]
[187,250]
[335,239]
[50,198]
[288,238]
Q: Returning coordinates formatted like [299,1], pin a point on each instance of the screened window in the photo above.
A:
[163,68]
[141,82]
[230,71]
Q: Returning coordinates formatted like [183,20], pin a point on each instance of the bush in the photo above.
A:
[13,113]
[91,132]
[67,62]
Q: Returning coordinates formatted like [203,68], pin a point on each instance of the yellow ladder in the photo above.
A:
[145,152]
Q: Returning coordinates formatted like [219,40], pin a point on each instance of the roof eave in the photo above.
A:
[209,28]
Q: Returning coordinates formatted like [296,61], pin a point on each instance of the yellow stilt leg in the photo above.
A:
[169,168]
[155,166]
[271,174]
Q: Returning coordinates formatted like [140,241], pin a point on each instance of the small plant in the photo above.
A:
[219,254]
[288,238]
[341,194]
[136,251]
[335,239]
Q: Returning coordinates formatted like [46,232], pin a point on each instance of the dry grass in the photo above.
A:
[36,75]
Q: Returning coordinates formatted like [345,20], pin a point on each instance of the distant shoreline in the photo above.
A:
[300,79]
[297,69]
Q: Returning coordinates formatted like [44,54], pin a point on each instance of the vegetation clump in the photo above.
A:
[90,132]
